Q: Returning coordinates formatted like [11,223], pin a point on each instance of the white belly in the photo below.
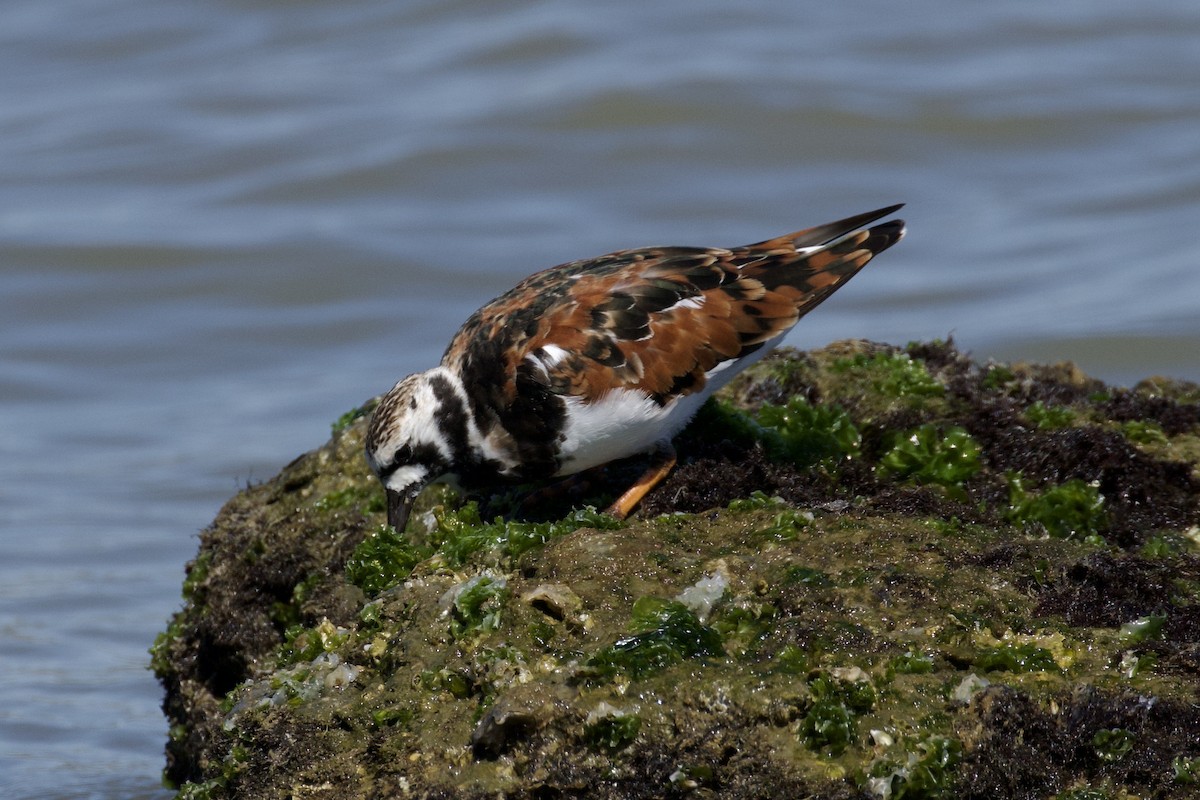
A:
[626,421]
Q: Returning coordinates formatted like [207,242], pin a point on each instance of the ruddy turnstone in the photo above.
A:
[595,360]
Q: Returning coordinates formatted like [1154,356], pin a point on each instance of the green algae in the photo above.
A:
[927,455]
[460,533]
[1113,744]
[1140,431]
[384,559]
[1050,417]
[370,498]
[911,663]
[203,790]
[830,724]
[1143,629]
[757,500]
[612,732]
[1026,657]
[476,605]
[997,376]
[457,684]
[350,417]
[161,649]
[197,574]
[393,716]
[665,632]
[1071,510]
[1186,770]
[786,525]
[810,434]
[1163,546]
[807,576]
[743,626]
[920,770]
[893,375]
[797,432]
[305,644]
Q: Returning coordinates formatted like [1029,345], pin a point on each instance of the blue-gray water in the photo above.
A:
[222,224]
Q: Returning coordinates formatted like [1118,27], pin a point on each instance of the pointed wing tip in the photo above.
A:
[871,216]
[826,234]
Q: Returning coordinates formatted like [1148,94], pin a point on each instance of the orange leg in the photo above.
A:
[660,467]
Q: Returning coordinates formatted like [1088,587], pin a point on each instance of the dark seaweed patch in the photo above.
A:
[1016,748]
[1172,416]
[1105,590]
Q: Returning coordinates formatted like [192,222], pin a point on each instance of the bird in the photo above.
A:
[603,358]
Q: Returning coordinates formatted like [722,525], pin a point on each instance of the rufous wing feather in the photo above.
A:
[666,320]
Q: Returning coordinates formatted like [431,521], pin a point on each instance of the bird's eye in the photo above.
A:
[402,456]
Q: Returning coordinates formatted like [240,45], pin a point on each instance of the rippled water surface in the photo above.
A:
[223,224]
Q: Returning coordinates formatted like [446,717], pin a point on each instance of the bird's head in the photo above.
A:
[405,447]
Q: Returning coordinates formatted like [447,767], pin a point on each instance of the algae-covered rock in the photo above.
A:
[876,572]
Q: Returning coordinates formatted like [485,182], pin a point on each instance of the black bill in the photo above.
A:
[399,504]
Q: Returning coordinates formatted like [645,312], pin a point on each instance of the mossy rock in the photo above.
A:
[876,572]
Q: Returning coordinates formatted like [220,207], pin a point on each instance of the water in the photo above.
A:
[223,224]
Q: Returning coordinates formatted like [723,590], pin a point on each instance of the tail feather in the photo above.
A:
[808,273]
[822,235]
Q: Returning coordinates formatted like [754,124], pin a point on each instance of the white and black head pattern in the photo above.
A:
[407,447]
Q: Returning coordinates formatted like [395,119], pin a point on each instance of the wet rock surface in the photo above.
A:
[876,572]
